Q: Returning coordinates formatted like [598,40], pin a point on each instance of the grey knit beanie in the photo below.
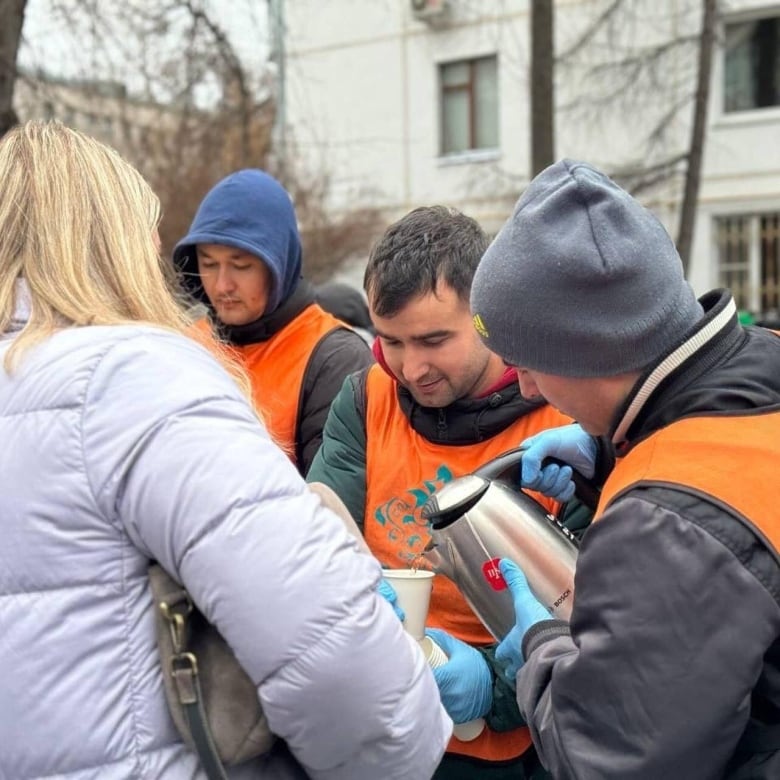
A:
[582,280]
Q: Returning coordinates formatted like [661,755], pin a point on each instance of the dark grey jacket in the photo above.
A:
[671,665]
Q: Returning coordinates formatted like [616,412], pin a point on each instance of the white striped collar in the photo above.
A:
[670,364]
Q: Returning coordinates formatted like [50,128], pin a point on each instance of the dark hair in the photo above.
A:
[345,302]
[428,245]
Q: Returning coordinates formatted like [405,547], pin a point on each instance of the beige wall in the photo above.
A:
[362,104]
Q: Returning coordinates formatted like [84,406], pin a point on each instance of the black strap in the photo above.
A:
[184,670]
[201,734]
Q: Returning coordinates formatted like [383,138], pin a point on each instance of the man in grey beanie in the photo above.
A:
[670,666]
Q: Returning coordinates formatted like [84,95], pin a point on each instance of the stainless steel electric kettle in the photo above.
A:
[483,517]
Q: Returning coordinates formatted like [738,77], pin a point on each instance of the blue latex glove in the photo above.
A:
[528,611]
[465,682]
[387,592]
[568,443]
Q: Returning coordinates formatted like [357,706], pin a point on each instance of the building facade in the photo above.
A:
[410,102]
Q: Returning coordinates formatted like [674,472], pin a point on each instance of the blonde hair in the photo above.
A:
[79,225]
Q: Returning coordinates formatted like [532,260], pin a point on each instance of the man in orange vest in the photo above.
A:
[242,258]
[437,405]
[670,667]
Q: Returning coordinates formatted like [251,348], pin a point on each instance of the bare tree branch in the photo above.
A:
[592,31]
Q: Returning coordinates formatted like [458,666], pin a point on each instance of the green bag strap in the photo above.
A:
[184,671]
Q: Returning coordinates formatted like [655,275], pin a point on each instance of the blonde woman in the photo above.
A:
[123,441]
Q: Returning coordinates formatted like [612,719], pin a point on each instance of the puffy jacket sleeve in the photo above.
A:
[675,607]
[341,460]
[339,354]
[177,459]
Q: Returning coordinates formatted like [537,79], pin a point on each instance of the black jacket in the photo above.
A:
[670,667]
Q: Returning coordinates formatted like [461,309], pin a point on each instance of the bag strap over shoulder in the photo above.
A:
[175,606]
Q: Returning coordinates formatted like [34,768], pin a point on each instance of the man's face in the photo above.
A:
[592,402]
[237,283]
[432,348]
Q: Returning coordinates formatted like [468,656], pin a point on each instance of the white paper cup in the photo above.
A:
[434,655]
[413,588]
[465,732]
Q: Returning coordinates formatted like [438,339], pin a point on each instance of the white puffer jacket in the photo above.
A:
[123,444]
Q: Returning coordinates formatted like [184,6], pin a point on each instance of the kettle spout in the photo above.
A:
[438,559]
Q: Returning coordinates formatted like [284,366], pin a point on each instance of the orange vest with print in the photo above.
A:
[402,470]
[730,459]
[277,367]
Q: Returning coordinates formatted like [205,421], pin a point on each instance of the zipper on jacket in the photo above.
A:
[441,426]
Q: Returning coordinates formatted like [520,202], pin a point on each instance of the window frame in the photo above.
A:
[755,250]
[721,117]
[470,88]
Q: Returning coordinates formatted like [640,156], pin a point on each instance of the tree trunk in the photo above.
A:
[542,85]
[698,132]
[12,16]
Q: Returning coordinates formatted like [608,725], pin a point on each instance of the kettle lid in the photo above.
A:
[453,500]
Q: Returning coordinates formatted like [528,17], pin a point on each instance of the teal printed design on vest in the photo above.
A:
[401,516]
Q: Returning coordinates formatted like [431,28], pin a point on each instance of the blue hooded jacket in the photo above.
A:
[248,210]
[251,211]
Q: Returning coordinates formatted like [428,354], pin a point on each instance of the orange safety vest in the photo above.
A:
[402,470]
[277,368]
[731,459]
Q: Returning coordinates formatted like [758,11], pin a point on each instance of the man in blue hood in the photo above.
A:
[242,258]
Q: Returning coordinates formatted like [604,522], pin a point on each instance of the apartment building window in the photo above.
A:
[752,64]
[748,249]
[469,105]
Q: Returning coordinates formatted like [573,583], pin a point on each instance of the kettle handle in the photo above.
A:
[506,468]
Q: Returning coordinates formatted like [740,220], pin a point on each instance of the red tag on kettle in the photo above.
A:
[492,574]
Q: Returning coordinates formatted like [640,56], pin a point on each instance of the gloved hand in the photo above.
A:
[387,591]
[465,682]
[528,611]
[568,443]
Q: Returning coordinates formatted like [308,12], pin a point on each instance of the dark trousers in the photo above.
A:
[456,767]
